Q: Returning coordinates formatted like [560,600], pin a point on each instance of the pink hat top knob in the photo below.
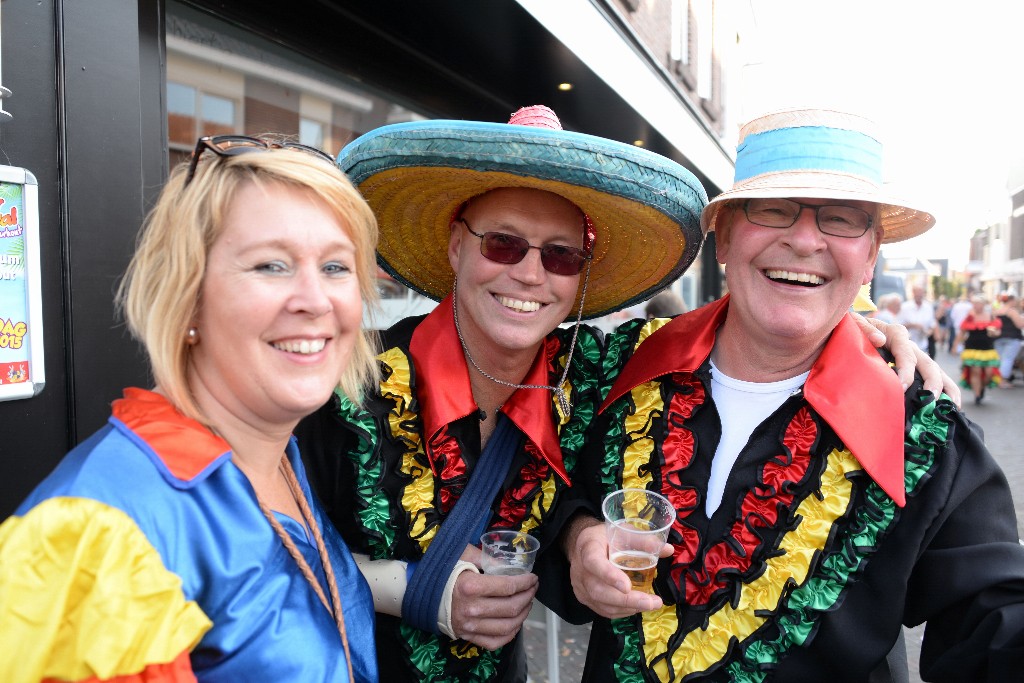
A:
[537,116]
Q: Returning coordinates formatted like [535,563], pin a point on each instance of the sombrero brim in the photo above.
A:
[900,222]
[645,208]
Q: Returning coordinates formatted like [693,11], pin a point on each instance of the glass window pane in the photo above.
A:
[181,113]
[311,133]
[181,99]
[242,83]
[218,115]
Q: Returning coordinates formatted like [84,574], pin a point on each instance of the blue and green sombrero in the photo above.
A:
[645,208]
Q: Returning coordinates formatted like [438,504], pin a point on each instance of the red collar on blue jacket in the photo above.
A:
[188,451]
[445,394]
[850,386]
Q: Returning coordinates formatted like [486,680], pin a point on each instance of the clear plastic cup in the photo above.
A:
[637,523]
[507,552]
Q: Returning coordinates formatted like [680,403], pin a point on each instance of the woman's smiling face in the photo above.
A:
[279,310]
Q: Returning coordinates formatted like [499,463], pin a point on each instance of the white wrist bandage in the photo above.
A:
[444,610]
[387,579]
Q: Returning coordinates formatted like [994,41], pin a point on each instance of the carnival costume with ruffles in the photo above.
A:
[836,527]
[979,348]
[166,568]
[394,469]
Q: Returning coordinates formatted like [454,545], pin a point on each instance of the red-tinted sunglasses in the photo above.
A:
[504,248]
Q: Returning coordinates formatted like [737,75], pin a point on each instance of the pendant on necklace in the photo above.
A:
[563,401]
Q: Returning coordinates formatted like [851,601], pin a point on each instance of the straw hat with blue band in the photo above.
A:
[819,154]
[645,208]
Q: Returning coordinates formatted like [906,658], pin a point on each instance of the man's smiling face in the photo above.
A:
[794,282]
[511,307]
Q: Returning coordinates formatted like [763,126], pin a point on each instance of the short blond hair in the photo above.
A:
[159,295]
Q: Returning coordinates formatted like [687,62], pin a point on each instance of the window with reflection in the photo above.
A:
[224,80]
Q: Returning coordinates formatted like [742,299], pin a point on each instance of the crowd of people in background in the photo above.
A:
[986,335]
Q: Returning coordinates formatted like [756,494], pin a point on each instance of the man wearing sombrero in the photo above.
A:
[480,418]
[819,507]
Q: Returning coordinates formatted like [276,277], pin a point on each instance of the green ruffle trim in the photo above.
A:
[584,378]
[373,509]
[432,655]
[430,658]
[619,347]
[626,666]
[822,592]
[980,363]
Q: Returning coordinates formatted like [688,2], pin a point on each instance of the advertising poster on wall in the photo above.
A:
[21,361]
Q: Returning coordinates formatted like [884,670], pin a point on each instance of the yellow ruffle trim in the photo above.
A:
[84,594]
[637,454]
[418,496]
[542,503]
[647,399]
[650,327]
[990,355]
[704,648]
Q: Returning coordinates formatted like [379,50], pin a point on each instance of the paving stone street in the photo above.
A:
[1000,416]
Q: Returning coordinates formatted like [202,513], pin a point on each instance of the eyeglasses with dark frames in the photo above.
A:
[501,247]
[838,220]
[231,145]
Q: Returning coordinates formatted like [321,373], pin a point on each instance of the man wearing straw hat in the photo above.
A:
[481,414]
[819,508]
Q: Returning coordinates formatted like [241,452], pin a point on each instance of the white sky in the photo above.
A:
[941,79]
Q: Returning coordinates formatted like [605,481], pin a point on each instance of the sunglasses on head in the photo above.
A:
[231,145]
[501,247]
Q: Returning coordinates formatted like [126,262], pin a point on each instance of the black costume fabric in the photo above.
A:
[389,474]
[811,565]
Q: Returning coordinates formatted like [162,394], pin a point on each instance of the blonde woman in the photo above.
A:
[181,541]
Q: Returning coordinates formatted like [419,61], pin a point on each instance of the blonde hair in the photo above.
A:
[159,295]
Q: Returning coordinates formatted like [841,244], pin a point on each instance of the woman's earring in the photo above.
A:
[192,337]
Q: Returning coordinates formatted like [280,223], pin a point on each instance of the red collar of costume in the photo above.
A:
[445,394]
[188,450]
[848,368]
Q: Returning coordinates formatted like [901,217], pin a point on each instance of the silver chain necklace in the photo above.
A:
[563,400]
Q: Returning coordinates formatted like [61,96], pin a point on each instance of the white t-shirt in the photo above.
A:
[958,312]
[742,406]
[922,314]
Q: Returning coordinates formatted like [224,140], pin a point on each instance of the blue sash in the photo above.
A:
[470,512]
